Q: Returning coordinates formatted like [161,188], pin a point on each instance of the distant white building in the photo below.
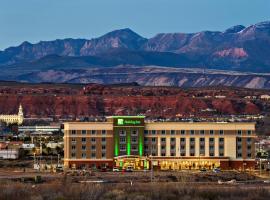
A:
[38,128]
[13,119]
[220,97]
[9,154]
[53,145]
[265,97]
[28,146]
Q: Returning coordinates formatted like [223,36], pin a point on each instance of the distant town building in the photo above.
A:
[220,97]
[28,146]
[265,97]
[9,153]
[13,119]
[39,128]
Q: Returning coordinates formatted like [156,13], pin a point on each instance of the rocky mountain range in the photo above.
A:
[239,48]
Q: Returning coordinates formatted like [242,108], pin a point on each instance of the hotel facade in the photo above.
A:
[124,141]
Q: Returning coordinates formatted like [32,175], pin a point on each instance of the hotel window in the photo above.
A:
[103,140]
[163,140]
[163,147]
[192,132]
[73,147]
[211,154]
[211,148]
[122,133]
[172,140]
[83,132]
[103,155]
[83,147]
[172,132]
[249,147]
[182,147]
[83,155]
[249,155]
[93,147]
[239,132]
[83,140]
[134,139]
[221,154]
[239,140]
[192,140]
[153,140]
[172,154]
[146,147]
[249,132]
[93,132]
[73,132]
[182,140]
[202,140]
[249,140]
[221,140]
[73,155]
[103,147]
[134,147]
[153,132]
[73,140]
[221,132]
[183,154]
[93,140]
[134,132]
[163,154]
[201,132]
[212,140]
[183,132]
[211,132]
[146,132]
[239,155]
[122,147]
[153,154]
[103,132]
[93,155]
[145,139]
[163,132]
[172,147]
[192,154]
[122,139]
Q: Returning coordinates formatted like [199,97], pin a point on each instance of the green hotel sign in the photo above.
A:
[127,122]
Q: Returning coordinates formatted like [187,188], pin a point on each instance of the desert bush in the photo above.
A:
[66,190]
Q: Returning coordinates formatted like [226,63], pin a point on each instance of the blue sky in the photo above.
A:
[35,20]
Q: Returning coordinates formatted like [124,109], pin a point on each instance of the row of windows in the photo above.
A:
[93,140]
[172,140]
[134,132]
[92,155]
[122,147]
[192,132]
[84,132]
[123,139]
[92,147]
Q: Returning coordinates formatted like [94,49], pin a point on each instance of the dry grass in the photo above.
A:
[65,190]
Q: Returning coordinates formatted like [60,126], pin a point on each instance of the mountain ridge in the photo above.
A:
[238,48]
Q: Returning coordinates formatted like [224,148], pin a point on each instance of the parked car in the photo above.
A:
[129,169]
[203,170]
[216,170]
[115,169]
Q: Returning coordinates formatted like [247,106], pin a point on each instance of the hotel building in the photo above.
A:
[124,141]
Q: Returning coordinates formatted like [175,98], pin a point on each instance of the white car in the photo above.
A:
[115,169]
